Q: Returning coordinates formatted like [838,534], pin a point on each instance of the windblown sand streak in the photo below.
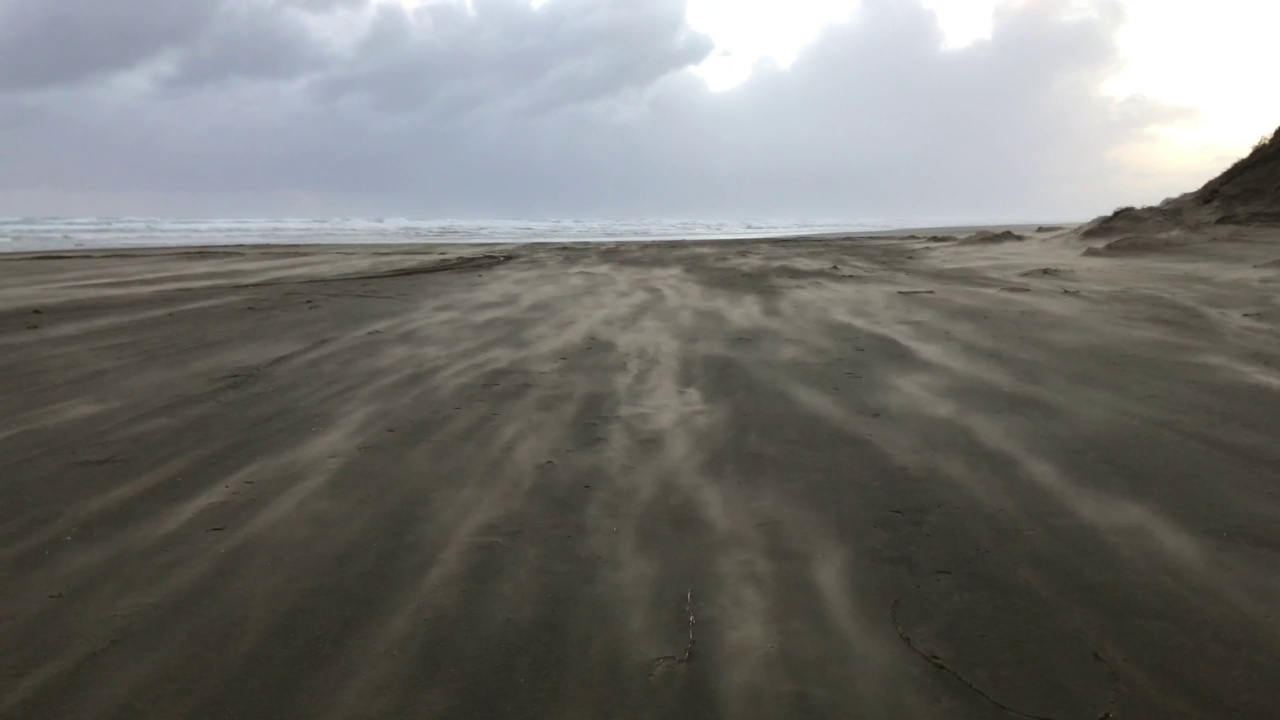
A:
[482,481]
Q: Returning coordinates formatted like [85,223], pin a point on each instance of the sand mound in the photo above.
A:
[1131,220]
[1137,244]
[941,238]
[986,237]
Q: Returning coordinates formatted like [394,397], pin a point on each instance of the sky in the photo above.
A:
[909,111]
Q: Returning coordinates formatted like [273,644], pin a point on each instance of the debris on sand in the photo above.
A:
[664,664]
[1046,272]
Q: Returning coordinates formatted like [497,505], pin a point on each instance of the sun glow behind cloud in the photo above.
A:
[747,32]
[1217,60]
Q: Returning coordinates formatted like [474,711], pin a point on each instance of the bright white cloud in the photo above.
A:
[963,22]
[1218,58]
[750,31]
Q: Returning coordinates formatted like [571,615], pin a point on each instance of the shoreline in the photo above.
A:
[1029,229]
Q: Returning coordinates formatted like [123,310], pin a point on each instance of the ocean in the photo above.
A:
[46,234]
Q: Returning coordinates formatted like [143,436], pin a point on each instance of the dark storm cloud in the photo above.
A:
[51,42]
[578,108]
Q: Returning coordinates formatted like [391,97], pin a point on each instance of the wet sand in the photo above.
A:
[825,478]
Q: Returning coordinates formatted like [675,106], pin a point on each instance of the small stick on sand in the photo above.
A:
[688,651]
[671,660]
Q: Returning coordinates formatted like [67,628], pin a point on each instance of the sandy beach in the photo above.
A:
[880,477]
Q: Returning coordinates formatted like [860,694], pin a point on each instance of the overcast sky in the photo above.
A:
[894,110]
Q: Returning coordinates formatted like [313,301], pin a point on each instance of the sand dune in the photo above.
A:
[1245,196]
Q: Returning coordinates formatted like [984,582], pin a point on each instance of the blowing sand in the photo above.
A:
[828,478]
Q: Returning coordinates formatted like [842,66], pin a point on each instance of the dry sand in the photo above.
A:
[826,478]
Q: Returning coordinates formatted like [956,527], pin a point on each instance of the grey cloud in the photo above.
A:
[509,55]
[54,42]
[582,108]
[256,41]
[327,5]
